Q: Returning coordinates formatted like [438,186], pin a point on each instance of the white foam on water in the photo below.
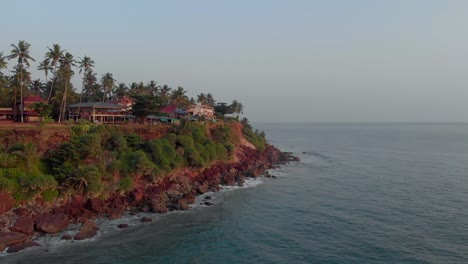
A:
[54,242]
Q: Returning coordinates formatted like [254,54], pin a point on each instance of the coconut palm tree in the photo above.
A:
[3,62]
[53,56]
[152,87]
[120,90]
[85,64]
[107,82]
[179,98]
[210,100]
[201,98]
[237,108]
[45,66]
[21,53]
[164,92]
[37,86]
[65,72]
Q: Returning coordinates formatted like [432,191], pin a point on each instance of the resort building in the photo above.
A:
[206,111]
[99,112]
[173,112]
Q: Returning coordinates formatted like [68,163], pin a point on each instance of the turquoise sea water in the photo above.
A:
[361,194]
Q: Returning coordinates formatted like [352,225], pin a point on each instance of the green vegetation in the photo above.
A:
[100,159]
[256,137]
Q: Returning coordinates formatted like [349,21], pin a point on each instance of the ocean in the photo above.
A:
[362,193]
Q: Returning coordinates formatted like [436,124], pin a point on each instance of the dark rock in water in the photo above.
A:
[146,219]
[121,226]
[208,203]
[19,247]
[6,202]
[51,223]
[274,177]
[24,225]
[66,237]
[8,239]
[87,230]
[132,213]
[208,197]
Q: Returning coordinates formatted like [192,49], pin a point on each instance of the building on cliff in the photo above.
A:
[201,110]
[99,112]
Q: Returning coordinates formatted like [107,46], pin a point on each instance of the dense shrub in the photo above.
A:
[126,184]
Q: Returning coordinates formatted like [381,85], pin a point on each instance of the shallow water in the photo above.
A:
[361,194]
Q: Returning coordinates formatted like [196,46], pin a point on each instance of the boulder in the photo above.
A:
[8,239]
[66,237]
[121,226]
[181,205]
[158,207]
[208,203]
[146,219]
[21,246]
[87,230]
[24,225]
[21,212]
[6,202]
[115,214]
[189,198]
[96,205]
[208,197]
[52,223]
[203,188]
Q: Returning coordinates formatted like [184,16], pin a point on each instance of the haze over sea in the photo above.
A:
[388,193]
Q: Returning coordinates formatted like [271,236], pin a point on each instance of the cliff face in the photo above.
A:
[175,191]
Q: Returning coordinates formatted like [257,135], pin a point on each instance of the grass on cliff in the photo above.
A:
[101,159]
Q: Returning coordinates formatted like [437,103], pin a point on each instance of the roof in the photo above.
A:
[34,99]
[97,105]
[173,109]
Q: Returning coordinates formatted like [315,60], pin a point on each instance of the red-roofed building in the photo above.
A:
[125,101]
[28,112]
[173,111]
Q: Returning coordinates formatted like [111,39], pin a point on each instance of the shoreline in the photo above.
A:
[174,193]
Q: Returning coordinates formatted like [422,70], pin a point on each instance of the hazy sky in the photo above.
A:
[353,61]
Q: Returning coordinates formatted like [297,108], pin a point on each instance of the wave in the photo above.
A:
[53,243]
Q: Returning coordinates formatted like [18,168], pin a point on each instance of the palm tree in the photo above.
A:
[3,63]
[21,52]
[210,100]
[66,72]
[53,56]
[201,98]
[237,107]
[153,87]
[179,98]
[45,66]
[120,90]
[165,91]
[107,82]
[85,64]
[37,85]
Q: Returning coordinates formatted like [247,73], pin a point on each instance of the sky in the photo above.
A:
[286,61]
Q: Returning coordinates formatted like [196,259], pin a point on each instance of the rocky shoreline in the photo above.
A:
[20,227]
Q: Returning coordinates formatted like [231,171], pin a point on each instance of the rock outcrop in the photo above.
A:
[87,230]
[8,239]
[50,223]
